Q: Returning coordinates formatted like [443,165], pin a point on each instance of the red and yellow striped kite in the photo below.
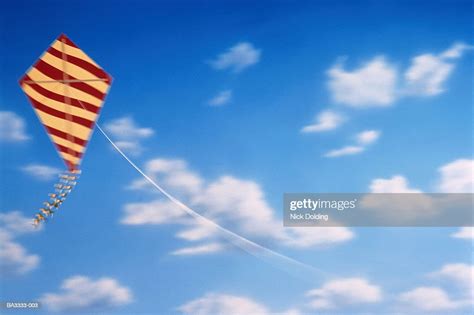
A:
[66,89]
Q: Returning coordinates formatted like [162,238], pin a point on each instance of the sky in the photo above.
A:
[228,105]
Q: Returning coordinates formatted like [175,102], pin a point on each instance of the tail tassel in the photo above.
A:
[67,181]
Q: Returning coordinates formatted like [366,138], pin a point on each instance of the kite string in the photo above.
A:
[200,217]
[240,241]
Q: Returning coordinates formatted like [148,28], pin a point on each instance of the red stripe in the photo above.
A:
[93,69]
[68,151]
[59,114]
[65,136]
[58,97]
[57,74]
[66,40]
[71,166]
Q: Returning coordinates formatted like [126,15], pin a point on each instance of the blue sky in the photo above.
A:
[212,100]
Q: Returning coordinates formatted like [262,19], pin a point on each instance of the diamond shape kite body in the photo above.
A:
[66,89]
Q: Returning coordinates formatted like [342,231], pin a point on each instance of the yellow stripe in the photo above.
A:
[69,157]
[60,88]
[63,107]
[68,144]
[75,71]
[74,129]
[73,51]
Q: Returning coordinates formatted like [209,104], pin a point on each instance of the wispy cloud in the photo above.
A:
[428,72]
[237,58]
[198,250]
[363,140]
[347,150]
[80,293]
[324,121]
[222,98]
[12,127]
[127,134]
[367,137]
[41,172]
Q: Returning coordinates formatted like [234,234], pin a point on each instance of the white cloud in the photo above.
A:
[12,127]
[305,237]
[347,291]
[456,50]
[457,177]
[232,202]
[388,206]
[42,172]
[218,303]
[396,184]
[458,273]
[371,85]
[222,98]
[80,292]
[199,250]
[347,150]
[198,231]
[324,121]
[17,224]
[237,58]
[429,299]
[127,134]
[242,202]
[435,299]
[464,233]
[428,72]
[155,212]
[367,137]
[363,139]
[378,83]
[14,258]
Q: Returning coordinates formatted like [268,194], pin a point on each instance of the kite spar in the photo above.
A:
[66,89]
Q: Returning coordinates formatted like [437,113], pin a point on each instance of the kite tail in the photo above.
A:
[67,182]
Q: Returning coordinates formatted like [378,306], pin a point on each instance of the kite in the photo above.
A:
[66,89]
